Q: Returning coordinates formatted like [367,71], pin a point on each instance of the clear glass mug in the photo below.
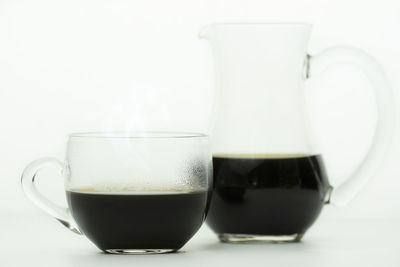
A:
[131,193]
[269,178]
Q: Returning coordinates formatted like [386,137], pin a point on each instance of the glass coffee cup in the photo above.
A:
[137,193]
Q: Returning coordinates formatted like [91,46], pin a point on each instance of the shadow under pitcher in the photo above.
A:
[270,182]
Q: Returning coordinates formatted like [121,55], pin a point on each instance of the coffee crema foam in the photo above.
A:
[132,190]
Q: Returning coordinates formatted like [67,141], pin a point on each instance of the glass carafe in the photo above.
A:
[269,178]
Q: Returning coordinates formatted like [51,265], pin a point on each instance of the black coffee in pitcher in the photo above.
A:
[273,196]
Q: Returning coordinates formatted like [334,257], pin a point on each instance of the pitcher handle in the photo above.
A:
[385,115]
[28,179]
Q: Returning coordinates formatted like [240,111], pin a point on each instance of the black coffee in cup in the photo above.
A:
[152,220]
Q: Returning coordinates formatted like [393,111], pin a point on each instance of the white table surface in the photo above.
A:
[34,240]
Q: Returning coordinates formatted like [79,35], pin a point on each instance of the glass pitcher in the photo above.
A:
[269,178]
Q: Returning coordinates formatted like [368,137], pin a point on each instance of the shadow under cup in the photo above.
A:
[139,193]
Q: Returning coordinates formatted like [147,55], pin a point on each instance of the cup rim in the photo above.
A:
[137,135]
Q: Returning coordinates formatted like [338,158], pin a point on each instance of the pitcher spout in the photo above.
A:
[206,31]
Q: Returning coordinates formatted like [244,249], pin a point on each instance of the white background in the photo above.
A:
[86,65]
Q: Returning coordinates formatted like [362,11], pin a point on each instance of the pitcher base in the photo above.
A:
[247,238]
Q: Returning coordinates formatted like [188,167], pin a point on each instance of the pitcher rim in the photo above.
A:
[205,30]
[269,24]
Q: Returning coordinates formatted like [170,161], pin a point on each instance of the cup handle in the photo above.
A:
[28,178]
[385,115]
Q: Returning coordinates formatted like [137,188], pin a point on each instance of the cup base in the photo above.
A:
[138,251]
[247,238]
